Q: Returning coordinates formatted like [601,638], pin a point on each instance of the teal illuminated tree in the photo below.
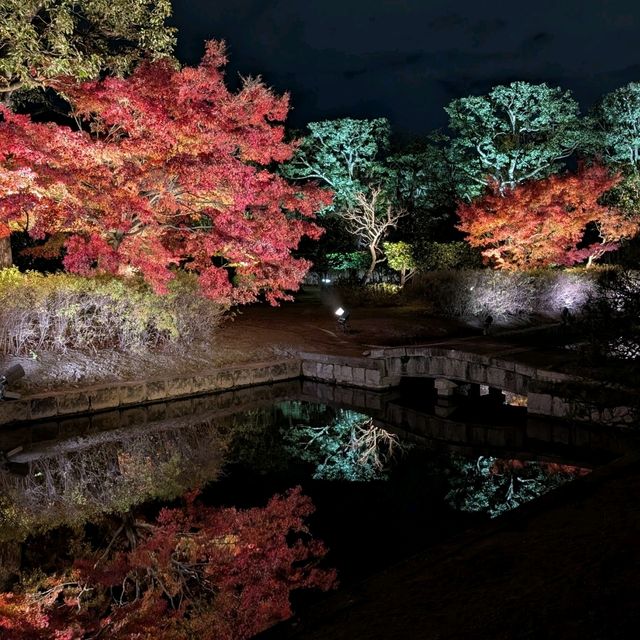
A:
[614,137]
[515,133]
[616,128]
[345,155]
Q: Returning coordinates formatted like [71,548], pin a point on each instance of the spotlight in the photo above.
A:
[12,375]
[342,316]
[326,281]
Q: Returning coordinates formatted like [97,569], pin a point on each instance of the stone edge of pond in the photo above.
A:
[114,395]
[378,370]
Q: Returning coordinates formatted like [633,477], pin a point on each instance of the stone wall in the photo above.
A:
[123,394]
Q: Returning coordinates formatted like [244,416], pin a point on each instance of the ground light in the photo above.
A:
[342,316]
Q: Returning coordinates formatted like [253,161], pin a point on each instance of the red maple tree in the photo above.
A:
[167,169]
[194,572]
[555,221]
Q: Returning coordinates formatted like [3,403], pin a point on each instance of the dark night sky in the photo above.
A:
[406,59]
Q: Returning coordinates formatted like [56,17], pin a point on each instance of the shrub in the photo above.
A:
[374,295]
[436,256]
[61,311]
[504,294]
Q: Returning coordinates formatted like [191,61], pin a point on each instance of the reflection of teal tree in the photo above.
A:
[349,447]
[493,486]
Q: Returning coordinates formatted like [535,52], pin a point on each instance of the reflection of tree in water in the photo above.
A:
[193,571]
[74,483]
[494,485]
[348,447]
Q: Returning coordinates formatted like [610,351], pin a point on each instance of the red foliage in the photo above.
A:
[543,223]
[171,169]
[196,572]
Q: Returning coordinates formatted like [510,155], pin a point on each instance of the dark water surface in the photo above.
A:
[389,474]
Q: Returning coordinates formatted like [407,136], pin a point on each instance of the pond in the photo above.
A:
[169,509]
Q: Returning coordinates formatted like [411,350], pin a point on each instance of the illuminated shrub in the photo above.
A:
[61,311]
[502,294]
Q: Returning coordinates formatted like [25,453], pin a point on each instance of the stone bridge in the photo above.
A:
[451,368]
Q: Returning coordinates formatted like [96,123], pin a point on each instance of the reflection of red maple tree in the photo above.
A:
[543,222]
[170,168]
[505,466]
[195,572]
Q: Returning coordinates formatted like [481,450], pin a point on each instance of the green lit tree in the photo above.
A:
[614,137]
[494,485]
[400,258]
[515,133]
[345,155]
[615,124]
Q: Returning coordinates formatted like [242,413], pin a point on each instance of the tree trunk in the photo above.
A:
[6,258]
[374,261]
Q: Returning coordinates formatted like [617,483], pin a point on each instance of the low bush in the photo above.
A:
[60,311]
[438,256]
[503,294]
[374,295]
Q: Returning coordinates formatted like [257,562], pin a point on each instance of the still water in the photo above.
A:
[112,523]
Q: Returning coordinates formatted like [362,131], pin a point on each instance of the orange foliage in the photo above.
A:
[555,221]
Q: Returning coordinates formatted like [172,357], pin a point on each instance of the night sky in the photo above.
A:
[406,59]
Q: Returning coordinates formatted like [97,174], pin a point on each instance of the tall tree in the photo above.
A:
[370,219]
[170,169]
[344,154]
[515,133]
[616,128]
[41,40]
[556,221]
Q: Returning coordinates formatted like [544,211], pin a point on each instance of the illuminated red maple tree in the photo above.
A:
[555,221]
[195,572]
[167,169]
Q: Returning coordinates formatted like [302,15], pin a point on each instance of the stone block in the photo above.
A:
[372,377]
[177,387]
[103,398]
[156,390]
[308,369]
[540,403]
[73,402]
[456,369]
[133,393]
[496,377]
[477,373]
[43,407]
[325,371]
[224,380]
[14,411]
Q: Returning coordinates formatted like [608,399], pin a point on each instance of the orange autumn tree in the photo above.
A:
[555,221]
[167,169]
